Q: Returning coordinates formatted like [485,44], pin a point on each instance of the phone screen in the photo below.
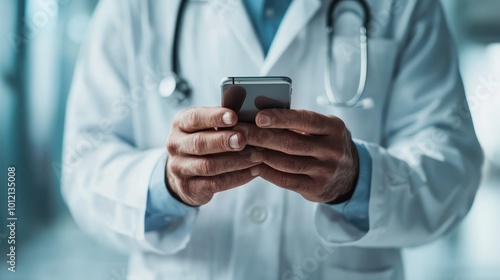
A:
[248,95]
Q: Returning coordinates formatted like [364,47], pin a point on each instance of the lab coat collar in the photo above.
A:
[233,13]
[296,18]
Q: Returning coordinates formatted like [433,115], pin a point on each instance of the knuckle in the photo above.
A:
[198,188]
[172,147]
[322,123]
[178,117]
[184,186]
[174,166]
[262,136]
[284,181]
[222,142]
[325,173]
[229,163]
[239,177]
[214,184]
[299,187]
[289,183]
[206,167]
[290,145]
[197,143]
[193,118]
[321,193]
[293,144]
[224,181]
[314,120]
[299,166]
[304,117]
[289,164]
[337,122]
[189,118]
[335,155]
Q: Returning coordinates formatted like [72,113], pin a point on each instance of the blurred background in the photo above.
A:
[39,45]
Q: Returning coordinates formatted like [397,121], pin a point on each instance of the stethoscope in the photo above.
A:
[175,88]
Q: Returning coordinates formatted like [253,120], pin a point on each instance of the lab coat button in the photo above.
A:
[167,218]
[258,214]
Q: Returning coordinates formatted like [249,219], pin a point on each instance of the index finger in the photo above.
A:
[300,120]
[203,118]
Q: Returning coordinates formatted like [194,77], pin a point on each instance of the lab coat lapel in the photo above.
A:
[298,15]
[233,13]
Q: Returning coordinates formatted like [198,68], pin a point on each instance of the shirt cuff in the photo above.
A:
[162,208]
[356,209]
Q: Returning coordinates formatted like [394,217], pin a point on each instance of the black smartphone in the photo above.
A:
[248,95]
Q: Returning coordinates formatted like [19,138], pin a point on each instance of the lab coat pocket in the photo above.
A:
[348,263]
[382,55]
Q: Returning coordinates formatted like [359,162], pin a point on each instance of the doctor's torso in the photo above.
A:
[257,231]
[217,42]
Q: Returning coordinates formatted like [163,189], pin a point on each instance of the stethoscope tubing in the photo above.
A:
[177,88]
[354,101]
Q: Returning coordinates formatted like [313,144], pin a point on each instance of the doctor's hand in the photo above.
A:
[306,152]
[202,160]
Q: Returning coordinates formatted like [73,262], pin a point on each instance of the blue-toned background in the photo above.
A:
[39,41]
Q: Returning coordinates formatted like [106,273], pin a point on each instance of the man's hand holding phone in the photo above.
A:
[306,152]
[303,151]
[202,160]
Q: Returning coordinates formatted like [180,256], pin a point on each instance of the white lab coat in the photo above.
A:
[426,158]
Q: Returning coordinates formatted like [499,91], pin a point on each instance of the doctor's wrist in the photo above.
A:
[172,192]
[351,179]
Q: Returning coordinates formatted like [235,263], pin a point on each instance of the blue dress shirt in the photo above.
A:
[266,17]
[162,208]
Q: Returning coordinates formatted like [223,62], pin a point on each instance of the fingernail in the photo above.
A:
[255,171]
[234,142]
[226,118]
[256,157]
[264,120]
